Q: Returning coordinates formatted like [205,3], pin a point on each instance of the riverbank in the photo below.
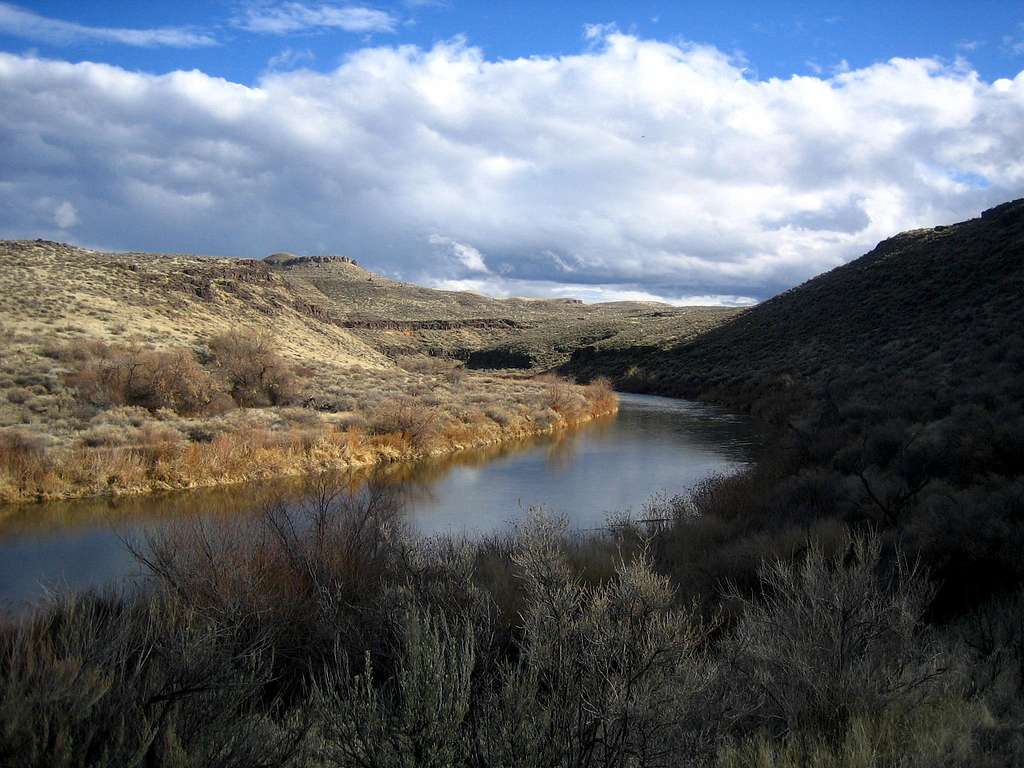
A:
[407,416]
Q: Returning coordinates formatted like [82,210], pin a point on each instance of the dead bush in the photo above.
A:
[306,576]
[23,457]
[132,375]
[415,423]
[253,371]
[562,397]
[601,395]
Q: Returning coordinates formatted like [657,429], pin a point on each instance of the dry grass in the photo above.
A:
[120,433]
[129,373]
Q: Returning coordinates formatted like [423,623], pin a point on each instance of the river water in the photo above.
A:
[653,445]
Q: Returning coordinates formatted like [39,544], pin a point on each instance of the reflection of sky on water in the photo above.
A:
[653,445]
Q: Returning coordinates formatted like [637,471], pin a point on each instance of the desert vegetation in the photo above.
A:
[130,372]
[130,418]
[329,635]
[891,388]
[853,599]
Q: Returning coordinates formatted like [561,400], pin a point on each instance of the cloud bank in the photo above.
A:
[635,168]
[32,26]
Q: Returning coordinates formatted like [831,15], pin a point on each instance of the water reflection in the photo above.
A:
[616,463]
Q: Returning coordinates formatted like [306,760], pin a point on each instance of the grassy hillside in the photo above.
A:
[940,307]
[401,318]
[67,293]
[130,372]
[896,385]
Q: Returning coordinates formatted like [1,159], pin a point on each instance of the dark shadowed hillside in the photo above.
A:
[894,386]
[942,307]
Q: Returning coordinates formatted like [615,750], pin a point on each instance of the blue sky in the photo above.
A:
[776,39]
[690,152]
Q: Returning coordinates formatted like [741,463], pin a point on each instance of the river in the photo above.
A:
[654,445]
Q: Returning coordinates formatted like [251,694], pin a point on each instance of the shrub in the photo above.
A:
[252,369]
[601,395]
[830,639]
[419,717]
[560,395]
[404,417]
[18,395]
[132,375]
[109,681]
[105,436]
[455,375]
[23,458]
[608,675]
[306,577]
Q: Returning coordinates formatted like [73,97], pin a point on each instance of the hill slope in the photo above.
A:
[895,383]
[68,293]
[323,308]
[942,307]
[402,318]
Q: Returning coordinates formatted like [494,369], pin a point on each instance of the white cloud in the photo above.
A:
[540,289]
[466,255]
[28,24]
[290,17]
[66,215]
[633,167]
[289,58]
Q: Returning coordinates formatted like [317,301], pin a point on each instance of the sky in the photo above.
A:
[691,152]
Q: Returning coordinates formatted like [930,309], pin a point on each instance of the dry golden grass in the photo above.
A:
[129,373]
[108,423]
[255,444]
[58,292]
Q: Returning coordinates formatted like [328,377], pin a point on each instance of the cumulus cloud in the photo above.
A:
[66,215]
[633,167]
[291,17]
[466,255]
[28,24]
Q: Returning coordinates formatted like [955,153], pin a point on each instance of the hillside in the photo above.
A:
[940,307]
[67,293]
[894,385]
[133,372]
[401,318]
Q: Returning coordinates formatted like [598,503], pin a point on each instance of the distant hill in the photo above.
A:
[943,307]
[323,308]
[77,294]
[402,318]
